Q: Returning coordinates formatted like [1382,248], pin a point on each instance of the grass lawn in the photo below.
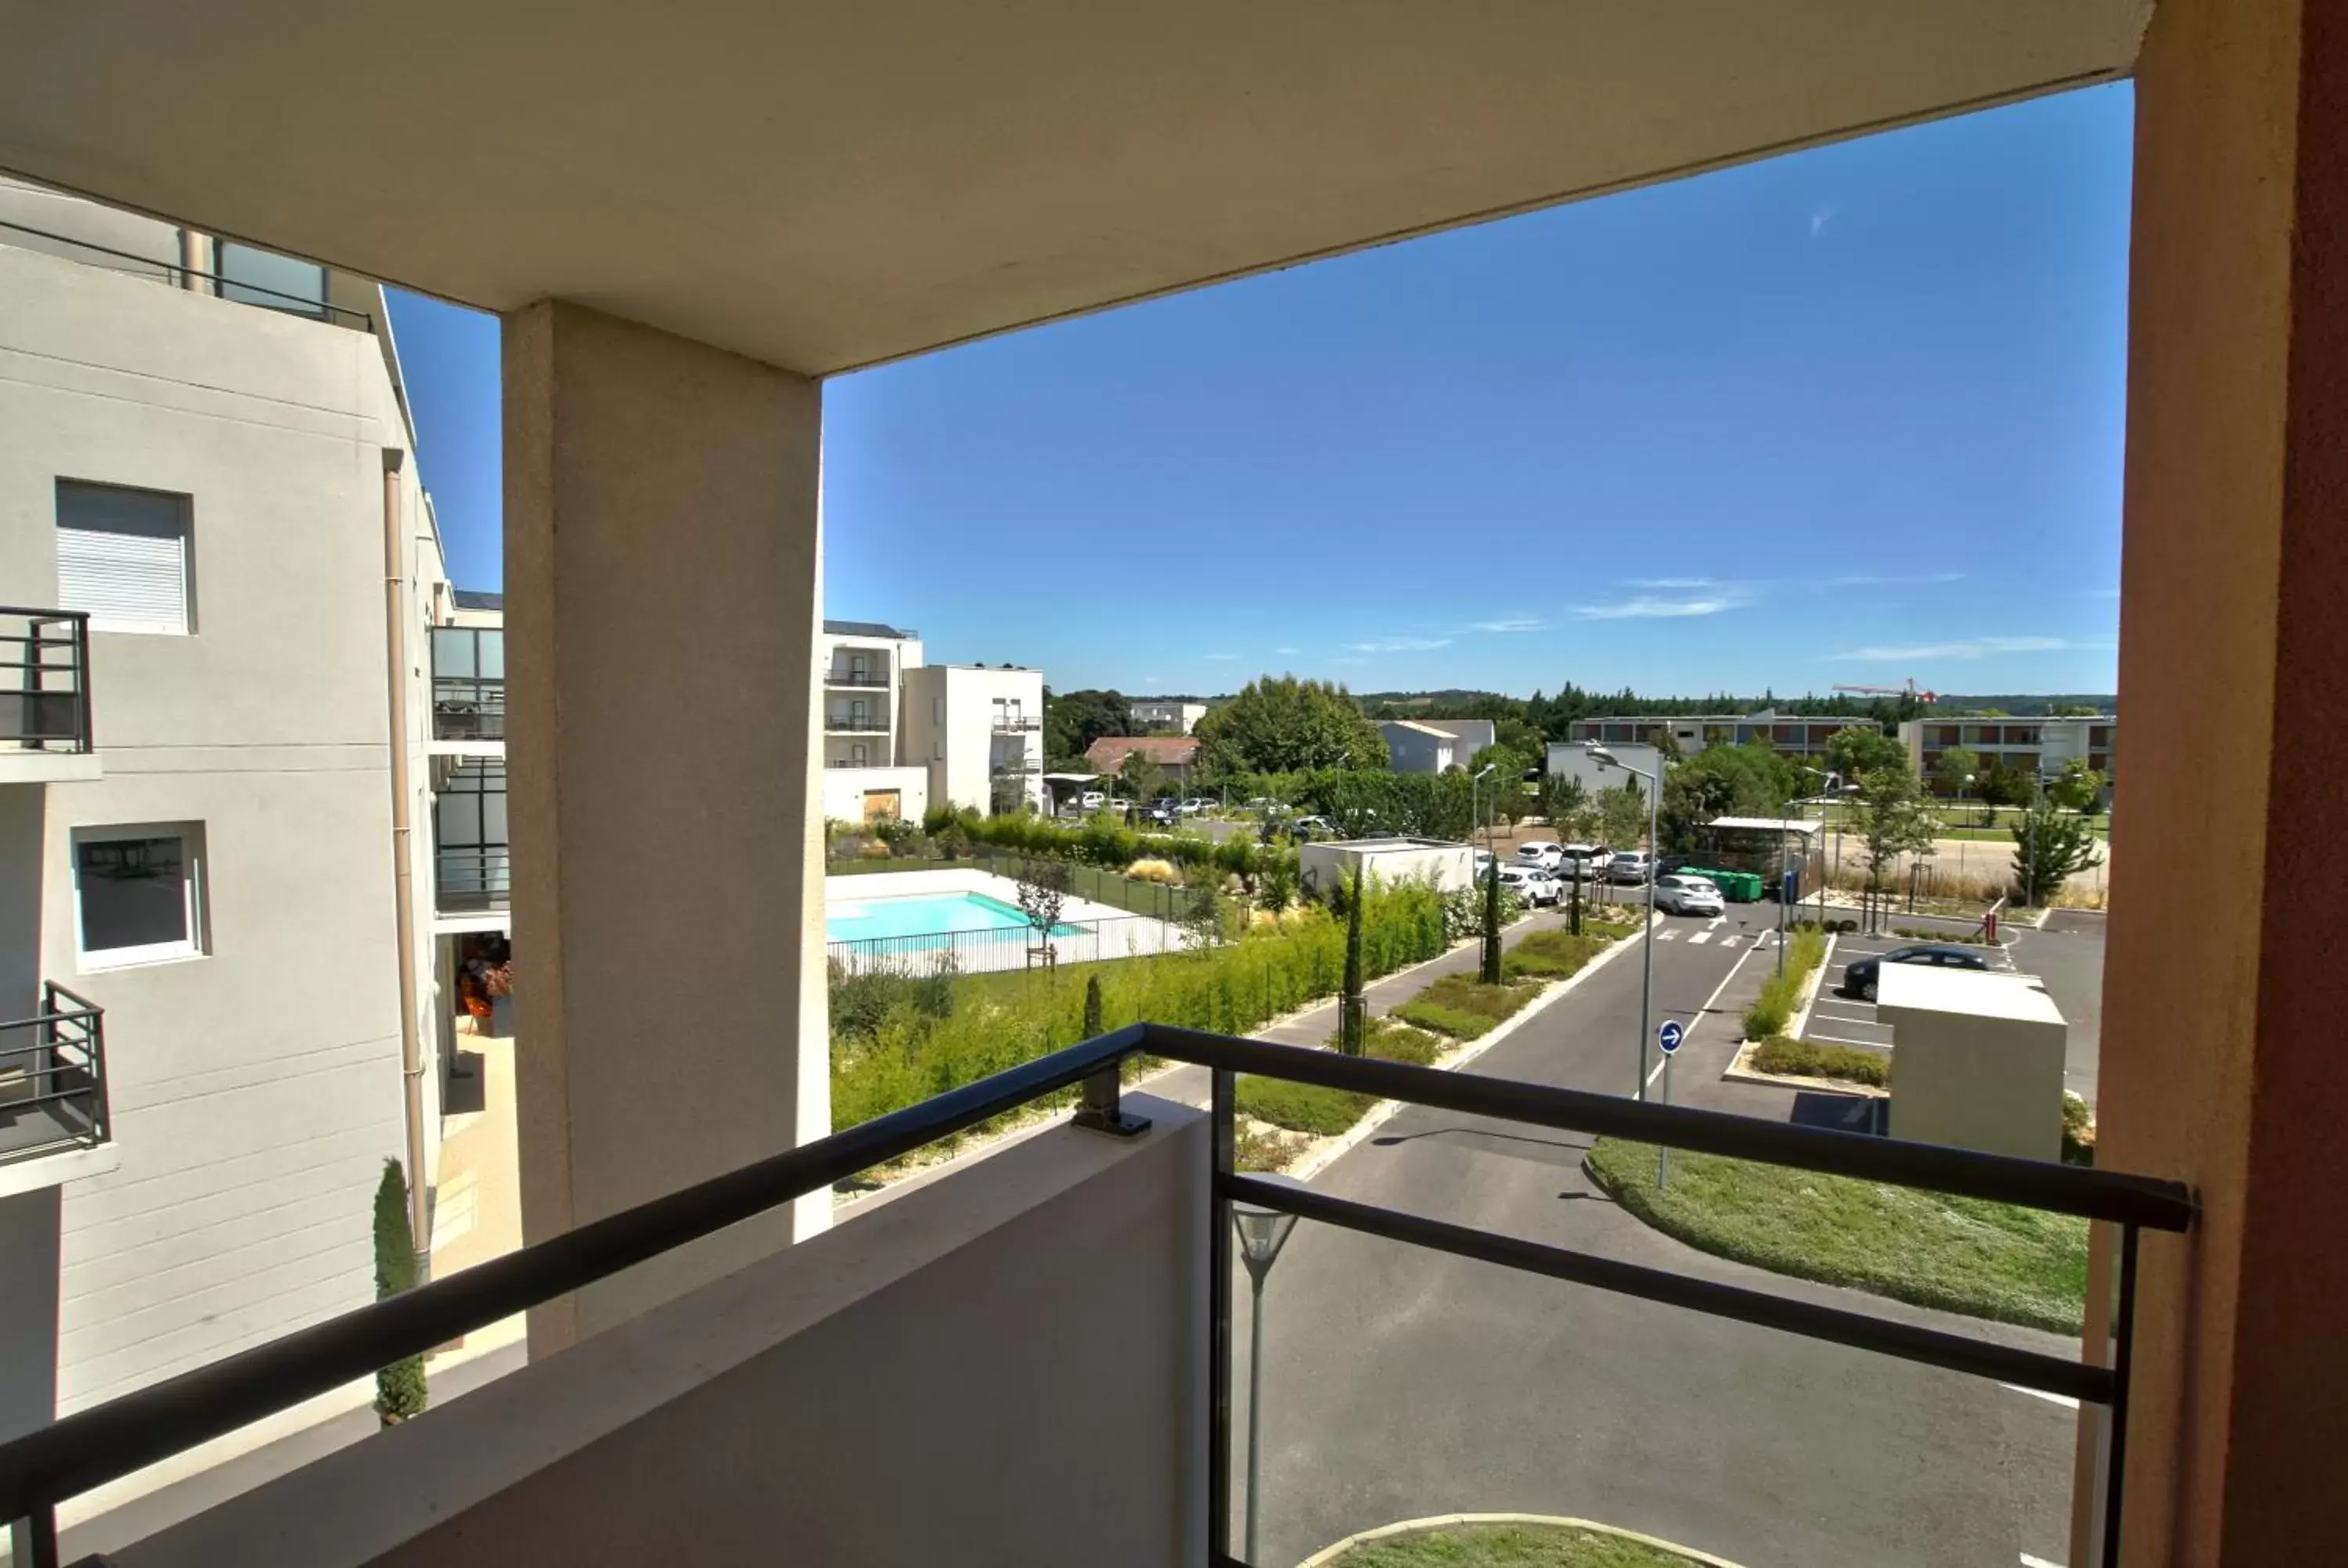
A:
[1465,1008]
[1553,955]
[1509,1546]
[1961,1255]
[1300,1107]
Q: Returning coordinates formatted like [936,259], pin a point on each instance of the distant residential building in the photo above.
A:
[1572,760]
[1431,746]
[1176,755]
[1178,715]
[1799,735]
[2025,746]
[978,730]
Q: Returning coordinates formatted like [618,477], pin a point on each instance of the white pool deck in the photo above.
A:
[1103,931]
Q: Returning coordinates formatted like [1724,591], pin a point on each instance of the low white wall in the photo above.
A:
[844,790]
[1005,1365]
[1448,865]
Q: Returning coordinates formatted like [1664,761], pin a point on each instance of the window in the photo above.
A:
[856,754]
[256,277]
[137,894]
[471,851]
[123,557]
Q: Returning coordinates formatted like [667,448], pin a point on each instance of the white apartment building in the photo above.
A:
[979,731]
[206,468]
[1163,715]
[2025,746]
[866,773]
[1432,746]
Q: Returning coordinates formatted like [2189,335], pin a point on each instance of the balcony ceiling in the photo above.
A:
[825,186]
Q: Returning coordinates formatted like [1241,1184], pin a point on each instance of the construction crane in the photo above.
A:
[1910,690]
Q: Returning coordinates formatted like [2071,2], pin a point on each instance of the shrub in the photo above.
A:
[1152,871]
[1807,1059]
[1256,1149]
[1300,1107]
[1390,1040]
[400,1390]
[1551,955]
[1922,934]
[1465,1008]
[2079,1131]
[1782,994]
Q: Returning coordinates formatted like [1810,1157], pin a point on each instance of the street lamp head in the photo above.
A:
[1262,1232]
[1600,754]
[1486,768]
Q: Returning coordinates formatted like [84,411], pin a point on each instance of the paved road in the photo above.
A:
[1401,1383]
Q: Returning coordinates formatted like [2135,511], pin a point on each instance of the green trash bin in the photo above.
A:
[1735,886]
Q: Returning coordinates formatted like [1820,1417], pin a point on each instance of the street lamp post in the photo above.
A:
[1262,1232]
[1473,801]
[1606,759]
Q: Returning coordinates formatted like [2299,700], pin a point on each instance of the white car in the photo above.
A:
[1483,865]
[1687,896]
[1536,887]
[1633,866]
[1540,854]
[1195,805]
[1091,800]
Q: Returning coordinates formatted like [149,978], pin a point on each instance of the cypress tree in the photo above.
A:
[1491,975]
[1350,1007]
[1092,1006]
[399,1389]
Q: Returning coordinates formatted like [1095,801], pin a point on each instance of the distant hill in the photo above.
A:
[2027,704]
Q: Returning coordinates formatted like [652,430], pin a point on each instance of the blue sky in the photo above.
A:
[1853,415]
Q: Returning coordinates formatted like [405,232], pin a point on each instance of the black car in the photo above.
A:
[1858,977]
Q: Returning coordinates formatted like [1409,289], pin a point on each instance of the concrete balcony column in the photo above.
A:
[2224,979]
[662,599]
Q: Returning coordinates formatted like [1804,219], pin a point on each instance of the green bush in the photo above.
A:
[1552,955]
[1781,995]
[1390,1040]
[1300,1107]
[993,1021]
[400,1390]
[1465,1008]
[1920,934]
[2079,1131]
[1809,1058]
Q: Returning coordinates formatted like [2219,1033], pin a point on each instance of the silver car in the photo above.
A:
[1687,896]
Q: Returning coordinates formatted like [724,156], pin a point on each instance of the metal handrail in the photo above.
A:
[849,678]
[92,1447]
[181,269]
[78,1029]
[854,726]
[76,735]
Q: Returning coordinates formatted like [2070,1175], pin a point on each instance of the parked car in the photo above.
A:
[1584,862]
[1633,866]
[1303,829]
[1091,800]
[1687,896]
[1164,812]
[1195,805]
[1861,976]
[1483,862]
[1539,854]
[1536,887]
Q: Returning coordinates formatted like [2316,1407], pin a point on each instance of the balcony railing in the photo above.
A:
[472,879]
[106,1442]
[853,725]
[874,678]
[1016,725]
[53,1078]
[43,680]
[466,709]
[225,287]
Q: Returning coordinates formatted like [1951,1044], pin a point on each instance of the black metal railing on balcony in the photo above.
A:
[53,1078]
[225,287]
[876,678]
[468,709]
[43,680]
[1013,724]
[855,724]
[472,879]
[106,1442]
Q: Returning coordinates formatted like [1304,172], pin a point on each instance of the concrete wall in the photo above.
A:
[1448,865]
[1990,1079]
[949,729]
[2218,1068]
[256,1089]
[1006,1363]
[1411,750]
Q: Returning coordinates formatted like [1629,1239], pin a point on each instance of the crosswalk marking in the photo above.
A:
[1667,935]
[1728,941]
[1696,937]
[1716,922]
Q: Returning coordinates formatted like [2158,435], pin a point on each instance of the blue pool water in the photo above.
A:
[936,914]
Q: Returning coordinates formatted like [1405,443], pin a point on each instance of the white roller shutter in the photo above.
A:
[122,558]
[124,581]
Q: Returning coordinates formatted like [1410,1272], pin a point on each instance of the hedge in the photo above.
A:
[1807,1059]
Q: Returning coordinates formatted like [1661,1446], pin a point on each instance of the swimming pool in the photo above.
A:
[940,915]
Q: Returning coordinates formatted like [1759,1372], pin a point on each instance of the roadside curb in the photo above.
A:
[1331,1553]
[1322,1156]
[1801,1020]
[1739,1073]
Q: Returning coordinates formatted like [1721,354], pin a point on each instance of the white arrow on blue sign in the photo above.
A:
[1670,1035]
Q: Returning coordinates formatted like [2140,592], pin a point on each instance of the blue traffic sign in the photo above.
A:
[1670,1035]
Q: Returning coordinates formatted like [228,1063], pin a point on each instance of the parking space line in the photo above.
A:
[2030,1561]
[1716,922]
[1853,1018]
[1697,938]
[2066,1400]
[1667,935]
[1846,1040]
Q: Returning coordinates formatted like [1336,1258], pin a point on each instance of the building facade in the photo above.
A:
[2042,746]
[1797,736]
[1165,715]
[1432,746]
[978,731]
[207,483]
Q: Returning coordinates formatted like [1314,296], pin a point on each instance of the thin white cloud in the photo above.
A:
[1821,217]
[1977,647]
[1288,651]
[1510,623]
[1865,580]
[1647,607]
[1678,582]
[1222,656]
[1401,645]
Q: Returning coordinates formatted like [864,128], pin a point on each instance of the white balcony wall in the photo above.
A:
[1005,1364]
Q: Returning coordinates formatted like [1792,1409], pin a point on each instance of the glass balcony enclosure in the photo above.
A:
[469,684]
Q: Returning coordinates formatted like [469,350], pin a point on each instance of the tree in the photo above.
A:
[1144,778]
[1491,970]
[1044,885]
[2078,787]
[1860,750]
[1073,721]
[1622,814]
[2050,847]
[1957,768]
[400,1390]
[1890,818]
[1092,1006]
[1282,724]
[1750,780]
[1352,1006]
[1998,784]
